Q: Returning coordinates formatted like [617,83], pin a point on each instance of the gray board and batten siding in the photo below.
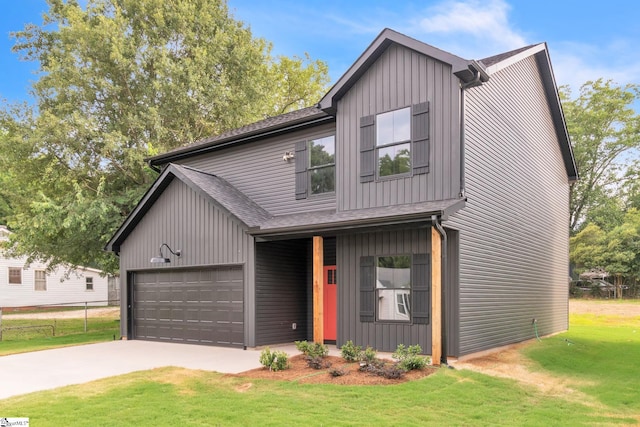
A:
[258,170]
[207,236]
[513,258]
[350,248]
[382,88]
[283,289]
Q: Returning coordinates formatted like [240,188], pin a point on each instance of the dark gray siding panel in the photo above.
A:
[514,228]
[381,336]
[206,235]
[257,169]
[281,291]
[400,78]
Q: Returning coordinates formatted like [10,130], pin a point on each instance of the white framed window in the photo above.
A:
[322,165]
[89,283]
[40,280]
[15,275]
[393,142]
[393,288]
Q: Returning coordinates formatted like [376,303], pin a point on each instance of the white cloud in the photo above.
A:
[485,22]
[574,63]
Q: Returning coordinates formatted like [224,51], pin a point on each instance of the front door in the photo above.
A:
[330,299]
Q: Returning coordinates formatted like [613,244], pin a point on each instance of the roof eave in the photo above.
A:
[281,128]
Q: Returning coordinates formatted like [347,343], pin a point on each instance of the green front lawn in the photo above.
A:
[597,358]
[67,332]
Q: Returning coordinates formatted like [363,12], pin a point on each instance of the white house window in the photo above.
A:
[393,142]
[322,165]
[40,281]
[315,166]
[89,283]
[393,288]
[15,275]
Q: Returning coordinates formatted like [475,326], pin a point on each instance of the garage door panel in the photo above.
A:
[195,306]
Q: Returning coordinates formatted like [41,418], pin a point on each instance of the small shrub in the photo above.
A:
[302,346]
[337,372]
[315,349]
[351,352]
[275,361]
[368,356]
[392,371]
[409,357]
[317,362]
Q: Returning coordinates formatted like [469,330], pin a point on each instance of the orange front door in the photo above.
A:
[330,299]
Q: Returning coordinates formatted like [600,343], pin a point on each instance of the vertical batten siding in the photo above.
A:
[282,290]
[257,170]
[379,335]
[400,78]
[514,228]
[205,234]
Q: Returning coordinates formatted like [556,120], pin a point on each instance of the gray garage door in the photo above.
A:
[190,306]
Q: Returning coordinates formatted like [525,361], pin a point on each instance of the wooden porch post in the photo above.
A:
[436,297]
[318,289]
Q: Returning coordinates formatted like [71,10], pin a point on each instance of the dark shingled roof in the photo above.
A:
[260,128]
[226,195]
[502,56]
[332,220]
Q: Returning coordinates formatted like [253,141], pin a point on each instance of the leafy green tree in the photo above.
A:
[605,132]
[616,251]
[121,80]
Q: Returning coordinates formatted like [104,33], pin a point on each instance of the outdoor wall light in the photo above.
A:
[161,259]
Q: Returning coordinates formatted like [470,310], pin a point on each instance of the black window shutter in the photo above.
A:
[367,149]
[421,288]
[301,170]
[367,289]
[420,135]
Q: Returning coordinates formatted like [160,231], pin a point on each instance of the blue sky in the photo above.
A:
[587,40]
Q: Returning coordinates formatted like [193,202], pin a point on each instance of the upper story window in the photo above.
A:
[315,166]
[322,165]
[395,143]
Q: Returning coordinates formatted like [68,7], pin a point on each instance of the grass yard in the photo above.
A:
[68,331]
[596,361]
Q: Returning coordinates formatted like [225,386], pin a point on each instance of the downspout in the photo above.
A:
[437,224]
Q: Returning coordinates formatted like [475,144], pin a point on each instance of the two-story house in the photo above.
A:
[417,203]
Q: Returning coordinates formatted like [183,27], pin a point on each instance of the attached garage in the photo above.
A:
[198,306]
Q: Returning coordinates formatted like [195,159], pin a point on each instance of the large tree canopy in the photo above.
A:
[605,132]
[121,80]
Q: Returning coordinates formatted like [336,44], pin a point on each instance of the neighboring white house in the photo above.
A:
[23,284]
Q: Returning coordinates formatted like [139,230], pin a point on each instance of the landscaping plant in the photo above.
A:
[275,361]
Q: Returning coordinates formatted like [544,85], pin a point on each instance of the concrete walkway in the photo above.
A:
[48,369]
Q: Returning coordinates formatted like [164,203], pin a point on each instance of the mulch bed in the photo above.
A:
[300,372]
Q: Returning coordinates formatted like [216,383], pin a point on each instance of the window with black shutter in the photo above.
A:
[315,166]
[395,288]
[395,143]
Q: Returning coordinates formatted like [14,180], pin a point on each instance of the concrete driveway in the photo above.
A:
[48,369]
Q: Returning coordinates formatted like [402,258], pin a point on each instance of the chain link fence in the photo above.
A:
[51,320]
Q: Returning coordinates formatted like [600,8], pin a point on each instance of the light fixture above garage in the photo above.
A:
[161,259]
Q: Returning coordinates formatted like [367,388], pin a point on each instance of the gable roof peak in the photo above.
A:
[460,66]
